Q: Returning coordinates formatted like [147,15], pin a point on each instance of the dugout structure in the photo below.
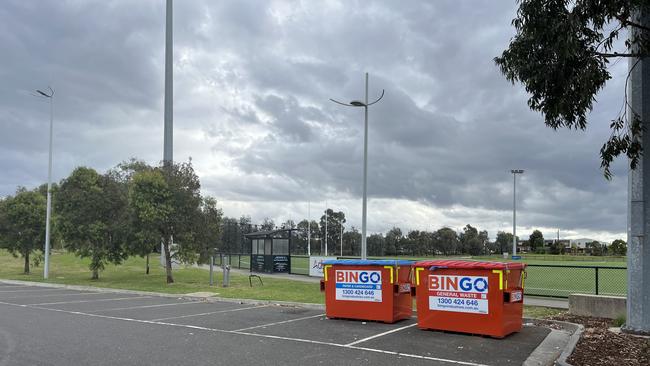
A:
[270,250]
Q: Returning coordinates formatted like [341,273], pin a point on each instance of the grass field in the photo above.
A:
[68,269]
[548,281]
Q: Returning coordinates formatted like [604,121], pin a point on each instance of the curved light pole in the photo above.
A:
[365,105]
[514,209]
[46,267]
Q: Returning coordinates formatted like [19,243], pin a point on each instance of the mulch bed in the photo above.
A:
[599,347]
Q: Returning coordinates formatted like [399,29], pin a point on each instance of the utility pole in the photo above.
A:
[638,215]
[309,229]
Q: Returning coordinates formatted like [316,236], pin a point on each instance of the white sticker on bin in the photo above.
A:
[463,294]
[355,285]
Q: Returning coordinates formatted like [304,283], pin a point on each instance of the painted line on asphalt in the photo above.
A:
[37,290]
[148,306]
[13,286]
[83,301]
[399,354]
[278,323]
[210,313]
[52,295]
[380,334]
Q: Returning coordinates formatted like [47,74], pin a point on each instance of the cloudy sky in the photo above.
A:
[252,82]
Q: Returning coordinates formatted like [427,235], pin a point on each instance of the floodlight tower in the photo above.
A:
[168,140]
[514,209]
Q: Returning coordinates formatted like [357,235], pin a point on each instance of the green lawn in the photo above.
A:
[68,269]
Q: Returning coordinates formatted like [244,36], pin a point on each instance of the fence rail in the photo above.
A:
[241,261]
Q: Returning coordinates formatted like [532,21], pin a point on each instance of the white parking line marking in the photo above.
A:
[38,290]
[278,323]
[13,286]
[380,335]
[252,335]
[82,301]
[51,295]
[210,313]
[148,306]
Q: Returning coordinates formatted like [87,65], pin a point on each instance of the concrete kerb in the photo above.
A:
[558,345]
[165,295]
[560,341]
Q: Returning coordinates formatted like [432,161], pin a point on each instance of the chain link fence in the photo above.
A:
[561,281]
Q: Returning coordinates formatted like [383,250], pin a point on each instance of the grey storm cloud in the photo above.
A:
[252,86]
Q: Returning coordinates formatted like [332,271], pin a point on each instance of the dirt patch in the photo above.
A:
[600,347]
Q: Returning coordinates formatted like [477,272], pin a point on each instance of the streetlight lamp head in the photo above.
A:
[42,93]
[357,103]
[517,171]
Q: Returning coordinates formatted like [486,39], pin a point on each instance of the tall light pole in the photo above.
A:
[309,229]
[168,139]
[364,210]
[48,212]
[326,220]
[514,208]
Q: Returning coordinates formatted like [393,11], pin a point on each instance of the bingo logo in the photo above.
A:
[458,284]
[360,277]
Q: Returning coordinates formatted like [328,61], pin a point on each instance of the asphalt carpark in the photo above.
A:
[58,326]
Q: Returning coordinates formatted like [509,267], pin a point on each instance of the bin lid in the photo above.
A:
[448,263]
[368,262]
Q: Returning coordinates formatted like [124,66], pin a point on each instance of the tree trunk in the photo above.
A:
[95,274]
[147,270]
[168,260]
[26,255]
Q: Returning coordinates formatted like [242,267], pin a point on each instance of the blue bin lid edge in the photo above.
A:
[376,262]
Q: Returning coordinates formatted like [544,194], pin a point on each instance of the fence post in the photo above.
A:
[596,280]
[211,268]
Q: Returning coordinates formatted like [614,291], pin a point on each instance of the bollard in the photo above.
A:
[226,275]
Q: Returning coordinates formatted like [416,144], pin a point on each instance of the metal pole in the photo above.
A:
[365,104]
[48,212]
[211,269]
[309,229]
[326,219]
[364,209]
[341,239]
[168,141]
[638,214]
[514,214]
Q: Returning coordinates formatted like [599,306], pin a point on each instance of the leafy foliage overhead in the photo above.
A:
[561,53]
